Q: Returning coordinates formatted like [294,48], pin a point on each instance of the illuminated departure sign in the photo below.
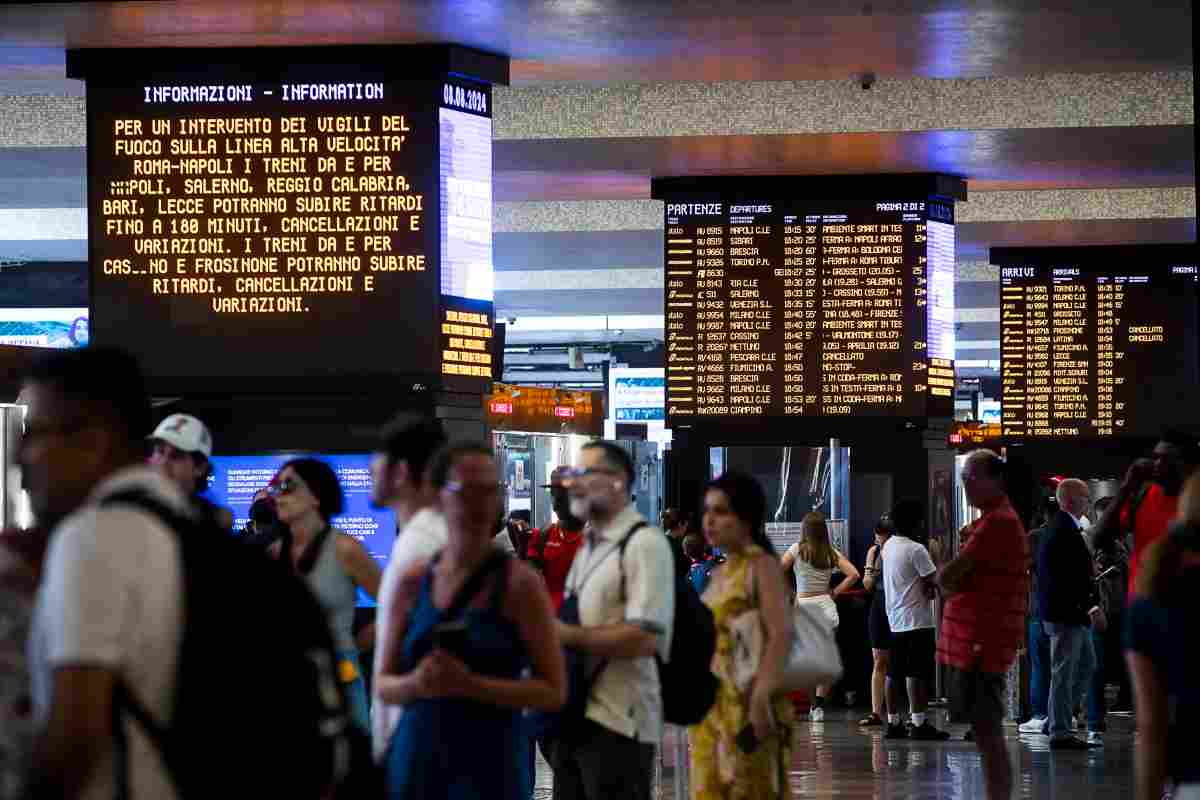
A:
[1097,341]
[311,212]
[786,299]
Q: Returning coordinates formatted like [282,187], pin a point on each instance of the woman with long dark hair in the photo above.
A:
[813,560]
[1160,630]
[334,564]
[743,747]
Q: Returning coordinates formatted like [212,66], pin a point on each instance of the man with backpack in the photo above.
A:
[145,619]
[109,611]
[622,578]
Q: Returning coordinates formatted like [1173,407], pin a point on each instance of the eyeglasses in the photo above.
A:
[285,486]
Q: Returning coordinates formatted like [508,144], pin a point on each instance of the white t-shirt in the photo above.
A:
[627,698]
[111,597]
[904,564]
[424,535]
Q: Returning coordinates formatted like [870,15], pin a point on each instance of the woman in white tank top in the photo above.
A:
[810,563]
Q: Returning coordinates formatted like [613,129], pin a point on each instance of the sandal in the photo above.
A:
[872,721]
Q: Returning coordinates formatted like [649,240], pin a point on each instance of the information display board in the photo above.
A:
[236,479]
[1097,342]
[330,220]
[796,303]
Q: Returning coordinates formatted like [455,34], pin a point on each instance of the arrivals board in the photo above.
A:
[803,305]
[1097,342]
[326,220]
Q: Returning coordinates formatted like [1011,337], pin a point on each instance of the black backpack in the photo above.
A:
[689,689]
[258,709]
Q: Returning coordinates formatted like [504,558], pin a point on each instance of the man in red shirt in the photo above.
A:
[552,549]
[983,620]
[1148,499]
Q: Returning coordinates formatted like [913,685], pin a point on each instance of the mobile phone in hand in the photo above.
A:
[747,740]
[451,637]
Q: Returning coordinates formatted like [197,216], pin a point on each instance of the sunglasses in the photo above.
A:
[285,486]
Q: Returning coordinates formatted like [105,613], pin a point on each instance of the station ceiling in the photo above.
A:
[1073,122]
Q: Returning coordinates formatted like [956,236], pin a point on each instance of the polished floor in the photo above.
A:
[835,759]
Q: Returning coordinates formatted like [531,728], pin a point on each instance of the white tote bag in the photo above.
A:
[813,660]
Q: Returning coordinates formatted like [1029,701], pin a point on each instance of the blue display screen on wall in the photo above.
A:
[236,479]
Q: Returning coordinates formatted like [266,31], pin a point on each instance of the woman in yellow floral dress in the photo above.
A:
[725,765]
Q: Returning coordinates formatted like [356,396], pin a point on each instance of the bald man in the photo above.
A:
[1069,607]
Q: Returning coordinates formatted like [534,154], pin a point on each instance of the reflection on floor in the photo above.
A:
[835,758]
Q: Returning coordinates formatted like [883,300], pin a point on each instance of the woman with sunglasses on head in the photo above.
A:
[471,642]
[334,564]
[812,561]
[743,748]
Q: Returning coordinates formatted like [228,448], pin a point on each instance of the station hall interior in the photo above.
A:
[1055,133]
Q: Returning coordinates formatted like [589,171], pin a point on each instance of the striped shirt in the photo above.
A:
[983,625]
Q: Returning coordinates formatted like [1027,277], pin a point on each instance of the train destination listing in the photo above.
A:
[777,309]
[1080,346]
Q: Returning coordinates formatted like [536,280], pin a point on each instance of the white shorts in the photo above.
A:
[827,606]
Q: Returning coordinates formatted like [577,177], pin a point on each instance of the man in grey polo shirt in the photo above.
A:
[626,606]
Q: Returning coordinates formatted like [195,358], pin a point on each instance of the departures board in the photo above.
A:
[303,213]
[1097,342]
[795,305]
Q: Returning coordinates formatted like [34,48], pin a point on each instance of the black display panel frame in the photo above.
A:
[808,195]
[1088,379]
[354,344]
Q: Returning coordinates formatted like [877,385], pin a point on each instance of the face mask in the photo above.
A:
[580,506]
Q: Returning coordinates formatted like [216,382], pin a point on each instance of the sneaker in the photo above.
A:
[928,733]
[1095,738]
[816,715]
[895,732]
[1071,743]
[871,721]
[1034,726]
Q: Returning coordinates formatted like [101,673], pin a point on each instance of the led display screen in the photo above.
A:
[1097,342]
[285,226]
[789,306]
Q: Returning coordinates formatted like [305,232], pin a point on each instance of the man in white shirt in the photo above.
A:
[398,471]
[626,607]
[909,586]
[109,607]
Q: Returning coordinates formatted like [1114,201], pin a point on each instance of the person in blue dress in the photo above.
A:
[471,642]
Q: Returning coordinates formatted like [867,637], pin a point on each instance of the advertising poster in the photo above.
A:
[236,479]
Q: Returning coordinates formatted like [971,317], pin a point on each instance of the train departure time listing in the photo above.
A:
[773,309]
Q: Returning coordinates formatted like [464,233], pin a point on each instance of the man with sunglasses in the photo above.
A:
[552,549]
[181,447]
[626,608]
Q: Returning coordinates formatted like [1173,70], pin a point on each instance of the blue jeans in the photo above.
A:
[1039,678]
[1072,662]
[1097,706]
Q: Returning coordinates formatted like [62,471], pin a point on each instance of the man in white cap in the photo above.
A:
[181,449]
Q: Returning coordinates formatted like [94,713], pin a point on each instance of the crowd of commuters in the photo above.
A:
[558,639]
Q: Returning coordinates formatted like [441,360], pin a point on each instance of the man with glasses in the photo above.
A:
[181,447]
[109,611]
[626,606]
